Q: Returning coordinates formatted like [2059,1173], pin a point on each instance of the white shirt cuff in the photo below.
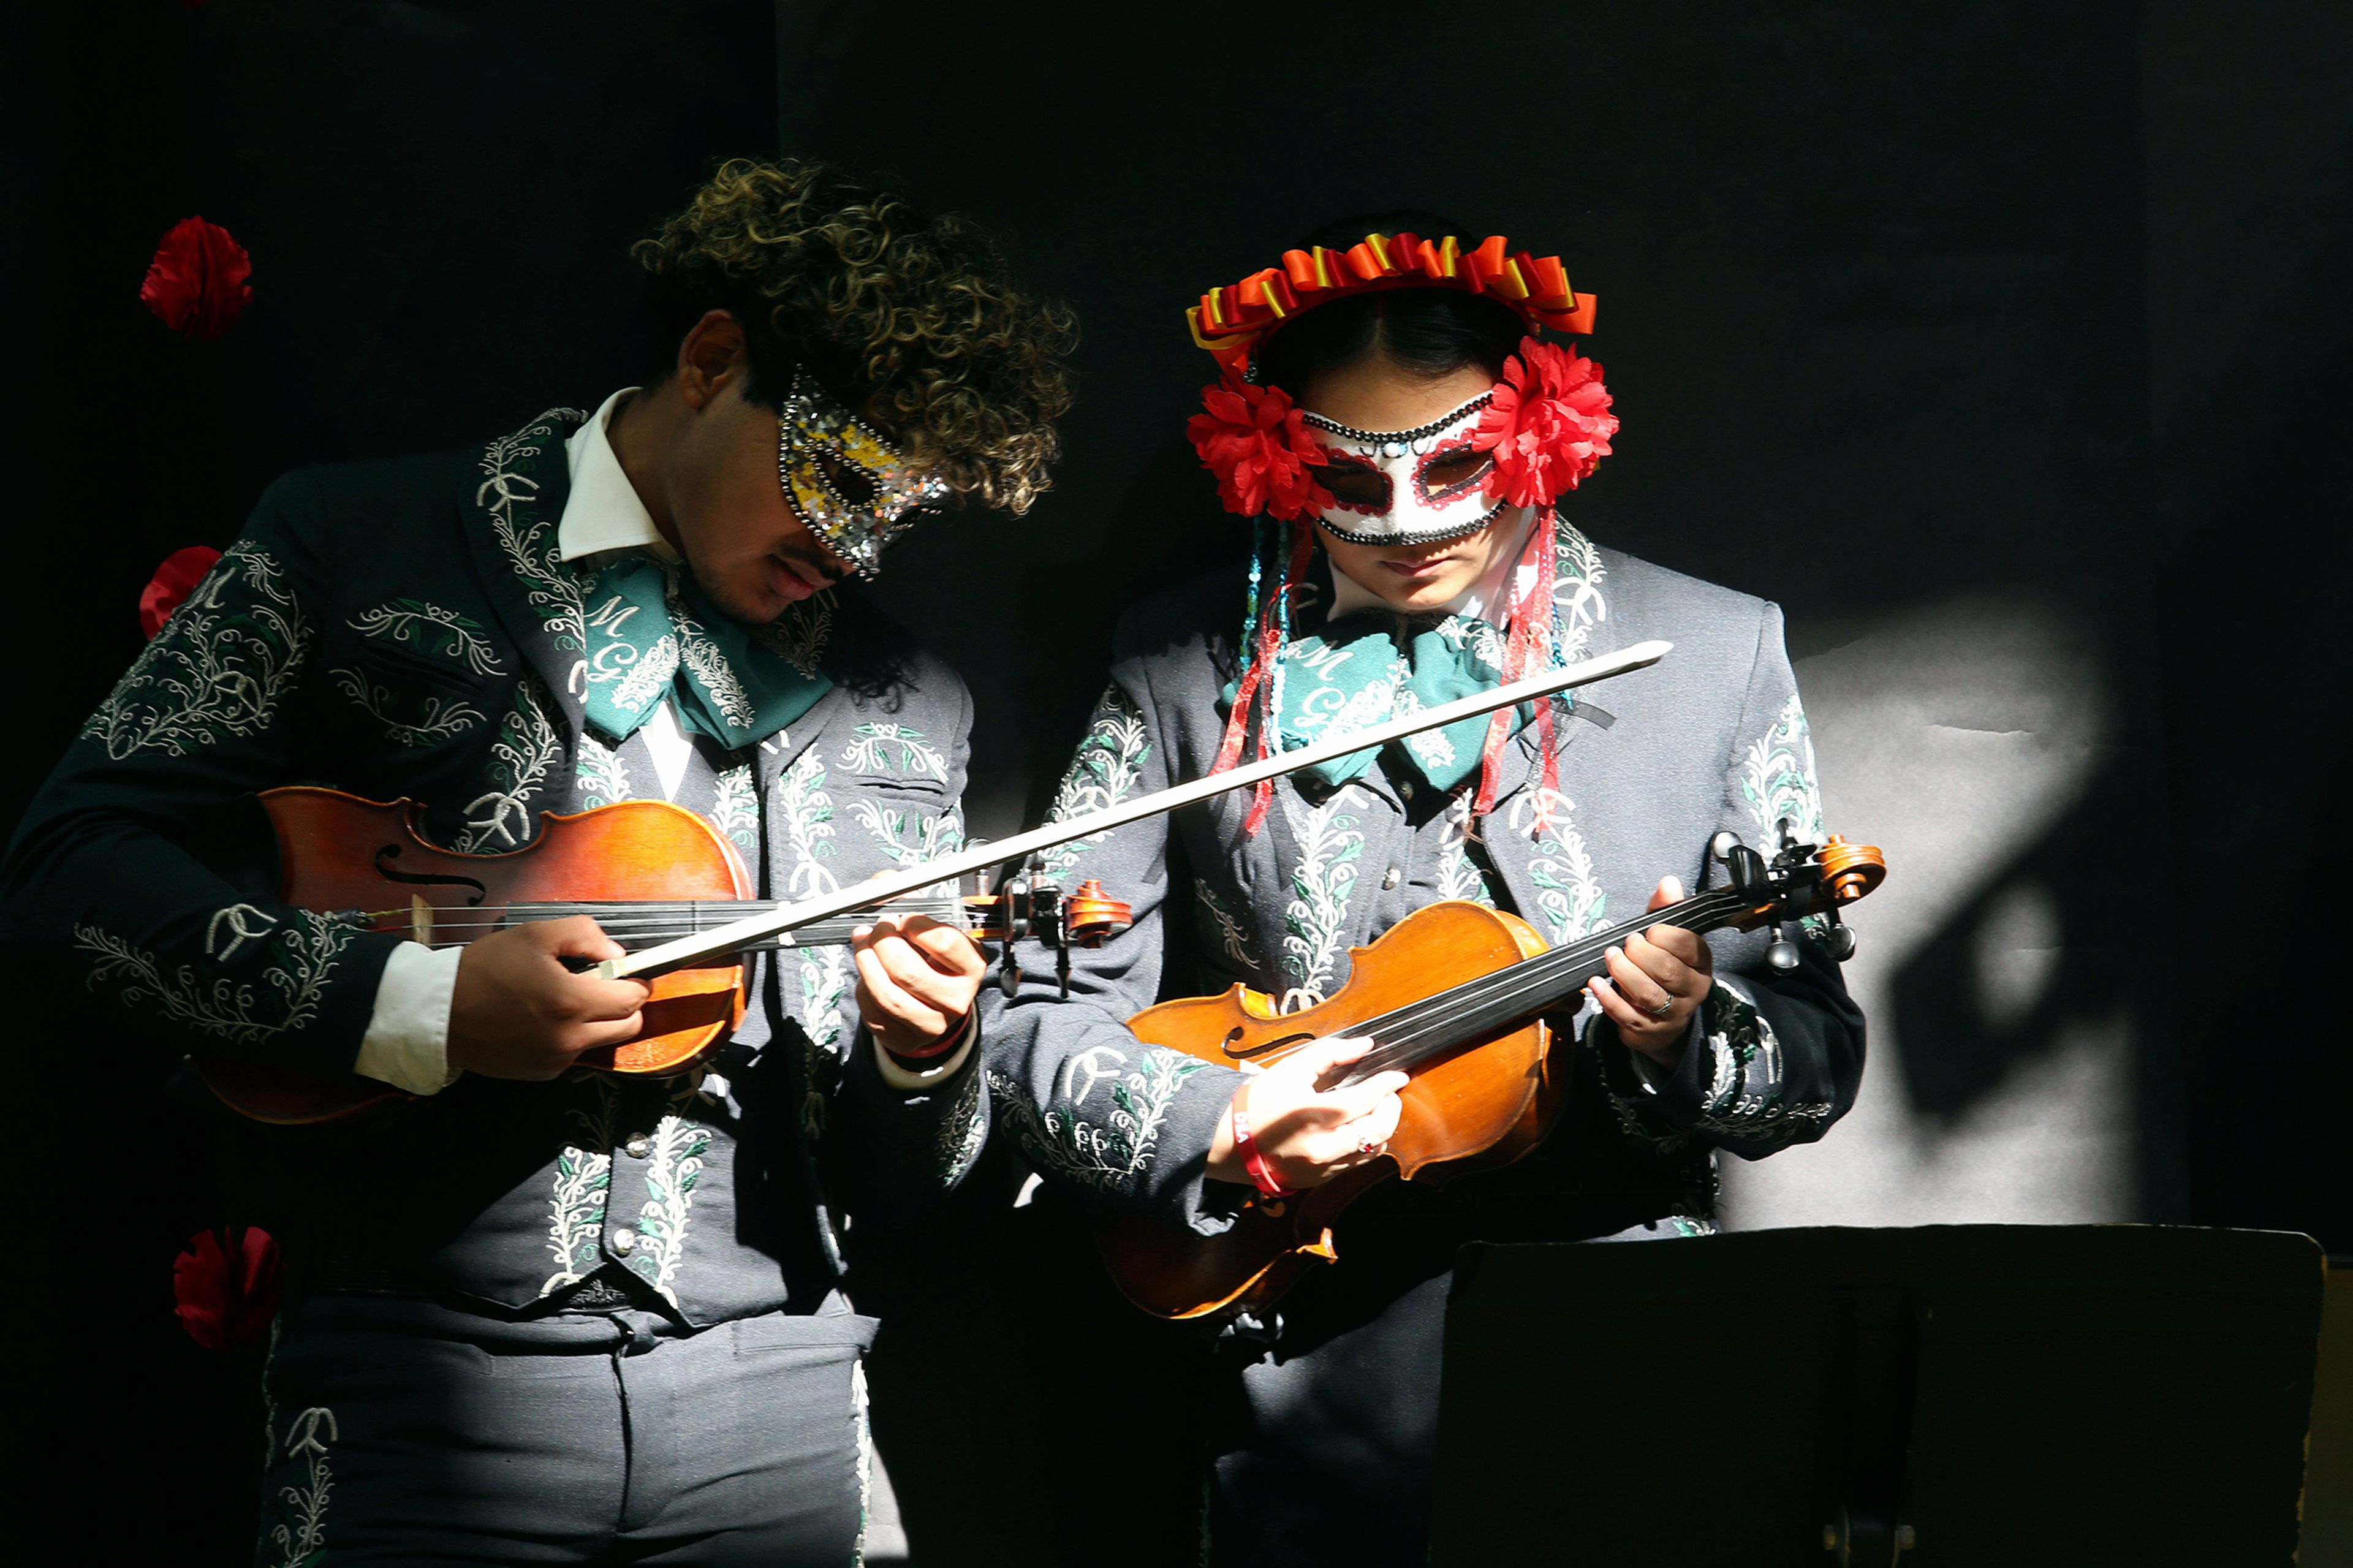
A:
[909,1081]
[407,1039]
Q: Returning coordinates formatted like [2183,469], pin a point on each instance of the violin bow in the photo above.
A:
[734,936]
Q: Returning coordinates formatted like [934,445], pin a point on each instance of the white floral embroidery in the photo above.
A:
[551,587]
[963,1131]
[1430,748]
[1481,638]
[602,777]
[526,748]
[1316,920]
[671,1169]
[584,1183]
[218,669]
[443,717]
[443,631]
[642,677]
[300,1542]
[242,923]
[735,807]
[1328,711]
[1232,937]
[806,813]
[873,752]
[1568,893]
[909,838]
[1776,779]
[1577,601]
[304,952]
[824,984]
[1105,771]
[1458,877]
[1105,1156]
[800,633]
[714,674]
[1743,1105]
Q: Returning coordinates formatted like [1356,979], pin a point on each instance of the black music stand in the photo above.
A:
[1983,1396]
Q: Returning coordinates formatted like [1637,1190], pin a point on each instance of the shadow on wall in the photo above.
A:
[2022,1040]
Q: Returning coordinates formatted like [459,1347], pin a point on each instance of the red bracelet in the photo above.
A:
[938,1047]
[1262,1172]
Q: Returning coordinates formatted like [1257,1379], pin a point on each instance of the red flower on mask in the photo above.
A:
[1548,425]
[227,1286]
[196,283]
[1254,441]
[172,582]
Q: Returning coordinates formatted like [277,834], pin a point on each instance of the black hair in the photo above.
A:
[1427,332]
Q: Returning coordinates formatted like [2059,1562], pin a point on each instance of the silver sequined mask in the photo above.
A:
[856,490]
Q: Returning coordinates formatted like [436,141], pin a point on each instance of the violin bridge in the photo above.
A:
[420,920]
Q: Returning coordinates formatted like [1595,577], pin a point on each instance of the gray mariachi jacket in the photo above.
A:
[405,628]
[1652,764]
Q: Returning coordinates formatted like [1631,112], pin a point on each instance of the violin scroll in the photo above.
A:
[1850,870]
[1091,916]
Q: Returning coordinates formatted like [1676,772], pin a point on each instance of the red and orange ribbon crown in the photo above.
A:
[1230,322]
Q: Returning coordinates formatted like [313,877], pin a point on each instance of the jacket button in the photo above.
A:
[1391,878]
[625,1242]
[640,1146]
[1405,789]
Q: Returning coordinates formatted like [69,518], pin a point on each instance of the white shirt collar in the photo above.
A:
[1485,598]
[603,511]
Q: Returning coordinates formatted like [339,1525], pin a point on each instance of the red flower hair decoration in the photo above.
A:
[227,1285]
[1252,439]
[196,283]
[174,581]
[1549,424]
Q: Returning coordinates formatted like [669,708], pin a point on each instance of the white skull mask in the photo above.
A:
[1406,487]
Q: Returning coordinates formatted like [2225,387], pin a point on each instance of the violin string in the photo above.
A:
[1420,1030]
[1520,991]
[1511,990]
[1444,1004]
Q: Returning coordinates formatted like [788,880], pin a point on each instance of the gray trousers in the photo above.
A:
[404,1432]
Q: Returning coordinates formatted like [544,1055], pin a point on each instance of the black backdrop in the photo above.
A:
[2002,326]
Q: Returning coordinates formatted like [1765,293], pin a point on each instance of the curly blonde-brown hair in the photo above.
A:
[910,318]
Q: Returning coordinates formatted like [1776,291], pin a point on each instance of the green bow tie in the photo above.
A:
[1369,667]
[652,634]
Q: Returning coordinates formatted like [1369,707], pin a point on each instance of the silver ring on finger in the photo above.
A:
[1665,1007]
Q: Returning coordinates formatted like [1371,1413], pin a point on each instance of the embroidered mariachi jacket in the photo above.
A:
[405,628]
[1652,764]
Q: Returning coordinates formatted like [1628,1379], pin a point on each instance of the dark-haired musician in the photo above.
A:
[1403,414]
[539,1314]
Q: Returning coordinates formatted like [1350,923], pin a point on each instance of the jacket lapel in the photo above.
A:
[515,503]
[1581,615]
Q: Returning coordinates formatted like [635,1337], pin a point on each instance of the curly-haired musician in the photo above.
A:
[538,1313]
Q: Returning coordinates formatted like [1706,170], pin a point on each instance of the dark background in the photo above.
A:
[2003,344]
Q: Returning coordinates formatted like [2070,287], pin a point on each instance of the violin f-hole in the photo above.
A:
[391,851]
[1235,1034]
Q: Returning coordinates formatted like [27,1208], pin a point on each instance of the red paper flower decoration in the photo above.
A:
[1549,426]
[1254,441]
[227,1286]
[172,582]
[196,284]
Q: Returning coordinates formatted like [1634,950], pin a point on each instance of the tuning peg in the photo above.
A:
[1783,952]
[1837,937]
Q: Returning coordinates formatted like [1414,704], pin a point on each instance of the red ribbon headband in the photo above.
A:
[1229,322]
